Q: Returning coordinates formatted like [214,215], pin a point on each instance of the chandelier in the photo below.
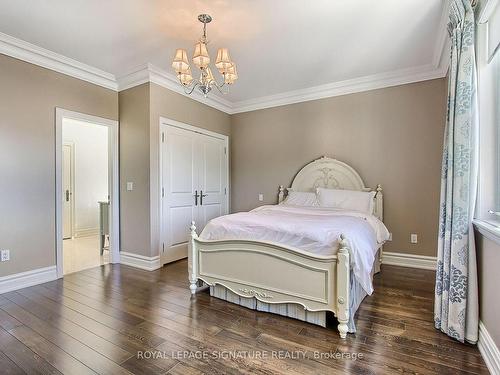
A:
[201,59]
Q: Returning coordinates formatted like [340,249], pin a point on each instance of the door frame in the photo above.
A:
[71,146]
[184,126]
[113,182]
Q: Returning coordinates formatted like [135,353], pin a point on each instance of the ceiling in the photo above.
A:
[279,46]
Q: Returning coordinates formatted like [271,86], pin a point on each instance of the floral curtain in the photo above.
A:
[456,302]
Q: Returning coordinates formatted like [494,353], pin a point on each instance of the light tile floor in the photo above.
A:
[82,253]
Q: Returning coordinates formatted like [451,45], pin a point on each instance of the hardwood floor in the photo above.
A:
[119,320]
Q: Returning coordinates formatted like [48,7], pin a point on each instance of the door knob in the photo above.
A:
[67,195]
[196,195]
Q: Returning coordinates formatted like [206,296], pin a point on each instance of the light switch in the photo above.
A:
[130,186]
[261,197]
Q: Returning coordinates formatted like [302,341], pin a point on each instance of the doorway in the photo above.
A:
[87,233]
[194,183]
[68,182]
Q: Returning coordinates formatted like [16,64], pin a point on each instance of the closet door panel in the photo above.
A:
[212,177]
[180,180]
[180,219]
[182,163]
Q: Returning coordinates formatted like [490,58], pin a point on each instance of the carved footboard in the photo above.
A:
[274,274]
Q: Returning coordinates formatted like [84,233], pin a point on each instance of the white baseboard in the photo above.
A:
[86,232]
[140,261]
[409,260]
[28,278]
[489,350]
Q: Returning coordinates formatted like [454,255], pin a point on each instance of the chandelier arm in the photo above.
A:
[220,87]
[190,91]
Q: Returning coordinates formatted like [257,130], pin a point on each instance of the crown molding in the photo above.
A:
[151,73]
[36,55]
[351,86]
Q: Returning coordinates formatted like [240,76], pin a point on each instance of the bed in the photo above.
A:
[295,261]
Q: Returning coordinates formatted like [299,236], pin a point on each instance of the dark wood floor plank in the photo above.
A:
[129,340]
[176,342]
[24,357]
[8,322]
[75,348]
[153,366]
[50,352]
[8,367]
[102,307]
[182,369]
[108,349]
[162,316]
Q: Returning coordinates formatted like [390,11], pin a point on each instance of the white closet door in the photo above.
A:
[212,179]
[180,180]
[192,164]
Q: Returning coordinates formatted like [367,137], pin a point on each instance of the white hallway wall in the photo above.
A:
[90,172]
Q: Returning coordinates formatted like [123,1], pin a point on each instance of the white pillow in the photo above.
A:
[299,198]
[346,199]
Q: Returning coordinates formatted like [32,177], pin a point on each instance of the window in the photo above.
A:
[488,58]
[495,67]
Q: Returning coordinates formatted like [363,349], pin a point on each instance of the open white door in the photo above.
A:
[193,183]
[67,177]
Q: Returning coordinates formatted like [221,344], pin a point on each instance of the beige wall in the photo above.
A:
[140,111]
[28,97]
[391,136]
[134,167]
[488,259]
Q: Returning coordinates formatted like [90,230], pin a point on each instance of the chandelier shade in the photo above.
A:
[201,59]
[200,56]
[180,62]
[223,60]
[231,75]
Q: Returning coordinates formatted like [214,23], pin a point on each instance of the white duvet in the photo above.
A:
[312,229]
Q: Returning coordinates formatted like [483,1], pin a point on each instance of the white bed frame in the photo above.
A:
[278,274]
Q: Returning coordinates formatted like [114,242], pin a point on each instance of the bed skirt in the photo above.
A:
[291,310]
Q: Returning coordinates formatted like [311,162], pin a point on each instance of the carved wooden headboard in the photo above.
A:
[333,174]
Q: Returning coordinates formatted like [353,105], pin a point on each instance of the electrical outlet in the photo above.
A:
[5,255]
[261,197]
[413,238]
[390,237]
[130,186]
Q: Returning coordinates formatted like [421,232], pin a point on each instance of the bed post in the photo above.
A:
[379,206]
[192,259]
[281,194]
[343,269]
